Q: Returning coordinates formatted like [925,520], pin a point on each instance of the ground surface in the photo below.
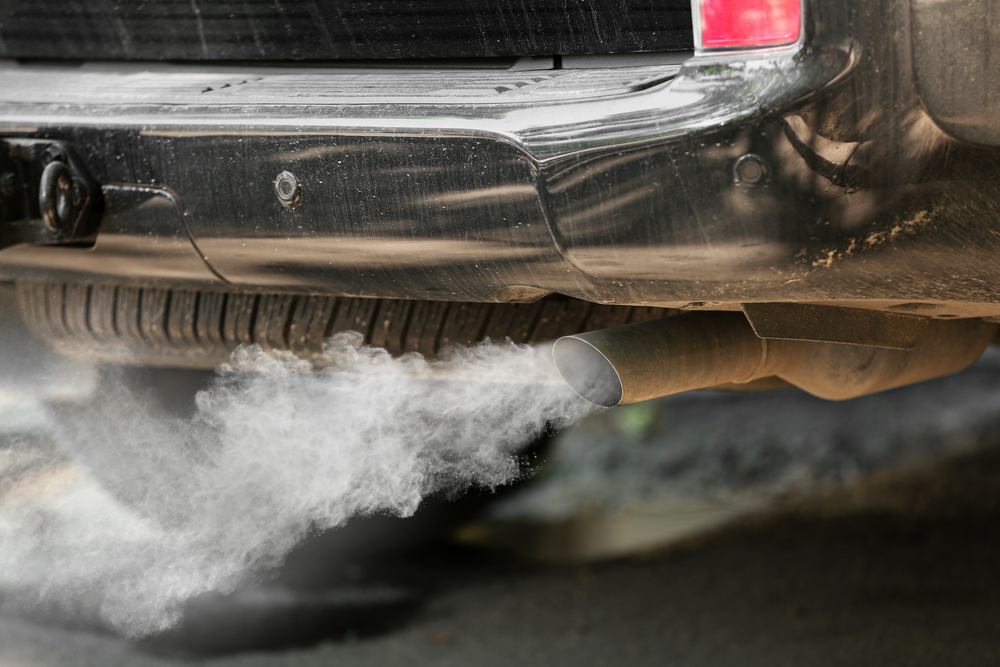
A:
[900,571]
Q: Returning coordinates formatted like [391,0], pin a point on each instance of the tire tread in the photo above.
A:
[181,327]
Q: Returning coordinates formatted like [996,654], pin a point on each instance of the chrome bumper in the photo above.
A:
[612,184]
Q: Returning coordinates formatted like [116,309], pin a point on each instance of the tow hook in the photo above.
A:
[46,195]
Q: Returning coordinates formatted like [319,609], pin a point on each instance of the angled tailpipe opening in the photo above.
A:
[587,371]
[656,358]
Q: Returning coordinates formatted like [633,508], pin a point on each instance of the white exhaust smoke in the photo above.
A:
[274,451]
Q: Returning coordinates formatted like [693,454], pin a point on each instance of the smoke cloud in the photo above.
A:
[274,450]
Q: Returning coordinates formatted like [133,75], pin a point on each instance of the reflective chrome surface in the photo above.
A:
[616,185]
[142,237]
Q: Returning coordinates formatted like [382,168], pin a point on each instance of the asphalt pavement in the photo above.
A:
[901,570]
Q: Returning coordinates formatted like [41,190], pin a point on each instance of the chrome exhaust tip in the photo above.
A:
[587,371]
[644,360]
[654,358]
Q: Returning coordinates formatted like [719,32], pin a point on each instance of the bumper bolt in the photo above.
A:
[287,187]
[751,170]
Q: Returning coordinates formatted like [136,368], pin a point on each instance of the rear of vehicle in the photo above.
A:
[437,173]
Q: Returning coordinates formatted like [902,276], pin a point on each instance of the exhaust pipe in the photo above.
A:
[656,358]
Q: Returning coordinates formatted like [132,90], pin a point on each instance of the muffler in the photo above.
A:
[656,358]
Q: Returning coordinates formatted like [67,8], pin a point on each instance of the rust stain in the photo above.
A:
[831,256]
[902,228]
[905,227]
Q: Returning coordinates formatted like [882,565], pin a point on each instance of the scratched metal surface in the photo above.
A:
[627,198]
[151,84]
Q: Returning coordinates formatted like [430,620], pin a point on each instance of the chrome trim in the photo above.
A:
[631,105]
[416,195]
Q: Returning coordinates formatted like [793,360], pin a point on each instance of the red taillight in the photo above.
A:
[732,23]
